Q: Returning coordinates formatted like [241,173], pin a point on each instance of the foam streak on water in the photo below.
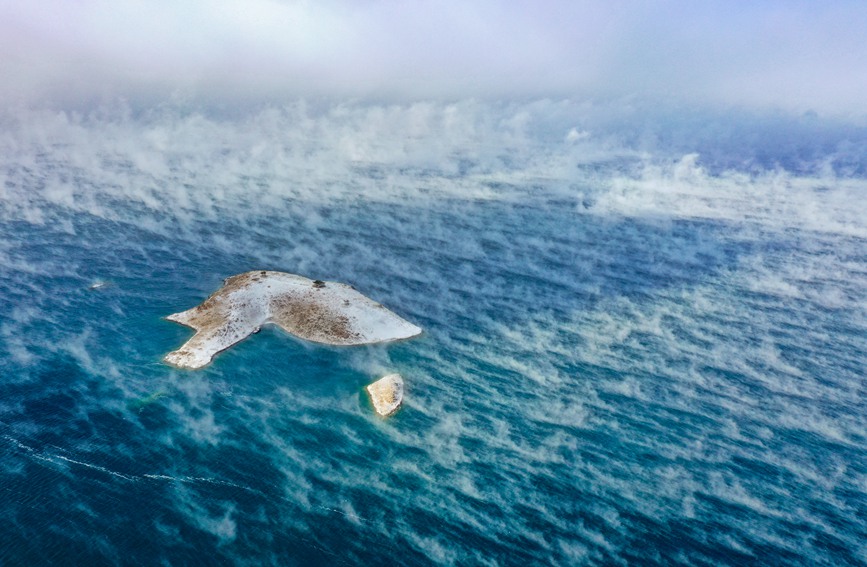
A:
[627,358]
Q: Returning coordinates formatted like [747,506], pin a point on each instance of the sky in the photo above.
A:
[793,55]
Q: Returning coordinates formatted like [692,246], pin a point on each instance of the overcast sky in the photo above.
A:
[796,55]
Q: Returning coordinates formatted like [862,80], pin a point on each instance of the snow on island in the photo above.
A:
[386,394]
[323,312]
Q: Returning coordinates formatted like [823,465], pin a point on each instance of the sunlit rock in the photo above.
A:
[386,394]
[322,312]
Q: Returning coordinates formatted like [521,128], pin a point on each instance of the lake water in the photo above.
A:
[627,359]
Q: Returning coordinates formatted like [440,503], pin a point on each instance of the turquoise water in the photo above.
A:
[599,381]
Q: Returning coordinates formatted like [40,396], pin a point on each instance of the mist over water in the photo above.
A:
[641,345]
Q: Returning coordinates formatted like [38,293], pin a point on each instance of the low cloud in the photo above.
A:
[170,169]
[795,55]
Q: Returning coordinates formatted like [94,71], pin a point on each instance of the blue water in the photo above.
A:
[594,385]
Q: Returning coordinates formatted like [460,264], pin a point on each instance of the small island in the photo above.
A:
[386,394]
[323,312]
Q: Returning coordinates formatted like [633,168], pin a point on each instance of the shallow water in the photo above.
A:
[597,382]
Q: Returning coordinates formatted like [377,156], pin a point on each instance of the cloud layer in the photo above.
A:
[796,55]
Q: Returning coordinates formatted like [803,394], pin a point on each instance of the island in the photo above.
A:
[318,311]
[386,394]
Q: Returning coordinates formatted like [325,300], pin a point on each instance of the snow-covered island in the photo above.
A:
[323,312]
[386,394]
